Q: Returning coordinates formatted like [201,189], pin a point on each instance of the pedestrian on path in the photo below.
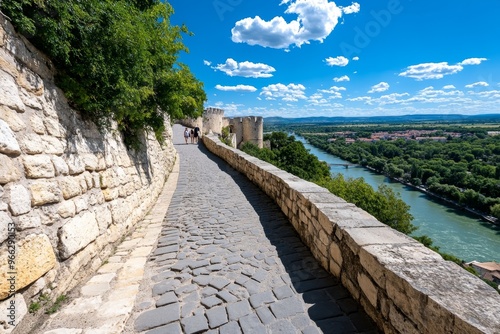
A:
[192,136]
[186,135]
[196,134]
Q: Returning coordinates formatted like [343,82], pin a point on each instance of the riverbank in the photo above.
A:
[455,204]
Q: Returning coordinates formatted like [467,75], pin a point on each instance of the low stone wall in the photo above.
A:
[67,191]
[403,286]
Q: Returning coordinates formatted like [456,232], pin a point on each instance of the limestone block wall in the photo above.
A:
[67,192]
[404,286]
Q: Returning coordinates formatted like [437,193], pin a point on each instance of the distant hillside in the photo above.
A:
[384,119]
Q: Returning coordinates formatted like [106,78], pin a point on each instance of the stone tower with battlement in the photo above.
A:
[212,120]
[244,129]
[248,129]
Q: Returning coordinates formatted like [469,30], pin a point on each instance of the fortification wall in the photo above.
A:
[404,286]
[67,192]
[212,120]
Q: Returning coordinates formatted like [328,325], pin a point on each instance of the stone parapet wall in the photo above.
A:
[67,191]
[403,286]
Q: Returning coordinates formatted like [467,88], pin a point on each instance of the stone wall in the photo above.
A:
[403,286]
[67,191]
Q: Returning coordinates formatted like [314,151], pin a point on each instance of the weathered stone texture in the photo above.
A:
[38,166]
[45,192]
[19,199]
[8,141]
[8,170]
[34,257]
[77,233]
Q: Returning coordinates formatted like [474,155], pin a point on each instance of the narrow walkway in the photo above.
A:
[222,259]
[228,261]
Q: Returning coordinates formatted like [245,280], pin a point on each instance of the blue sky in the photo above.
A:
[299,58]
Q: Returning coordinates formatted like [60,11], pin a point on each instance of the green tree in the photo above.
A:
[115,59]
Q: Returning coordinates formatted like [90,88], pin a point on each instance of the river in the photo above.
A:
[453,230]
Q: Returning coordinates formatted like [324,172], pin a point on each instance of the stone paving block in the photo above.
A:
[216,260]
[219,282]
[166,249]
[287,307]
[259,275]
[198,264]
[188,308]
[281,327]
[201,271]
[311,330]
[167,298]
[227,296]
[265,315]
[95,289]
[185,289]
[252,287]
[208,291]
[238,309]
[217,316]
[316,284]
[192,297]
[194,324]
[231,327]
[202,280]
[216,267]
[251,324]
[161,288]
[211,301]
[157,317]
[233,260]
[247,254]
[261,298]
[181,265]
[174,328]
[341,324]
[283,292]
[241,280]
[301,320]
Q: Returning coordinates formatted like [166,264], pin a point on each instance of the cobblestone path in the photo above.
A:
[228,261]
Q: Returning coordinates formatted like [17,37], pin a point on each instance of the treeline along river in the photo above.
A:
[452,230]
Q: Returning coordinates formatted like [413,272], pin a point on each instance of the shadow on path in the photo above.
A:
[332,308]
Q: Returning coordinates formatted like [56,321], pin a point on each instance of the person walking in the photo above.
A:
[191,134]
[186,135]
[196,134]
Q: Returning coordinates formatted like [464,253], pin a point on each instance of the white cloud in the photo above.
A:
[427,71]
[355,58]
[360,99]
[316,19]
[237,88]
[342,78]
[245,69]
[206,62]
[449,87]
[337,61]
[379,88]
[477,84]
[354,8]
[333,89]
[291,92]
[473,61]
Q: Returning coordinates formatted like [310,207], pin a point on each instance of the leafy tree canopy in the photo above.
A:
[115,59]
